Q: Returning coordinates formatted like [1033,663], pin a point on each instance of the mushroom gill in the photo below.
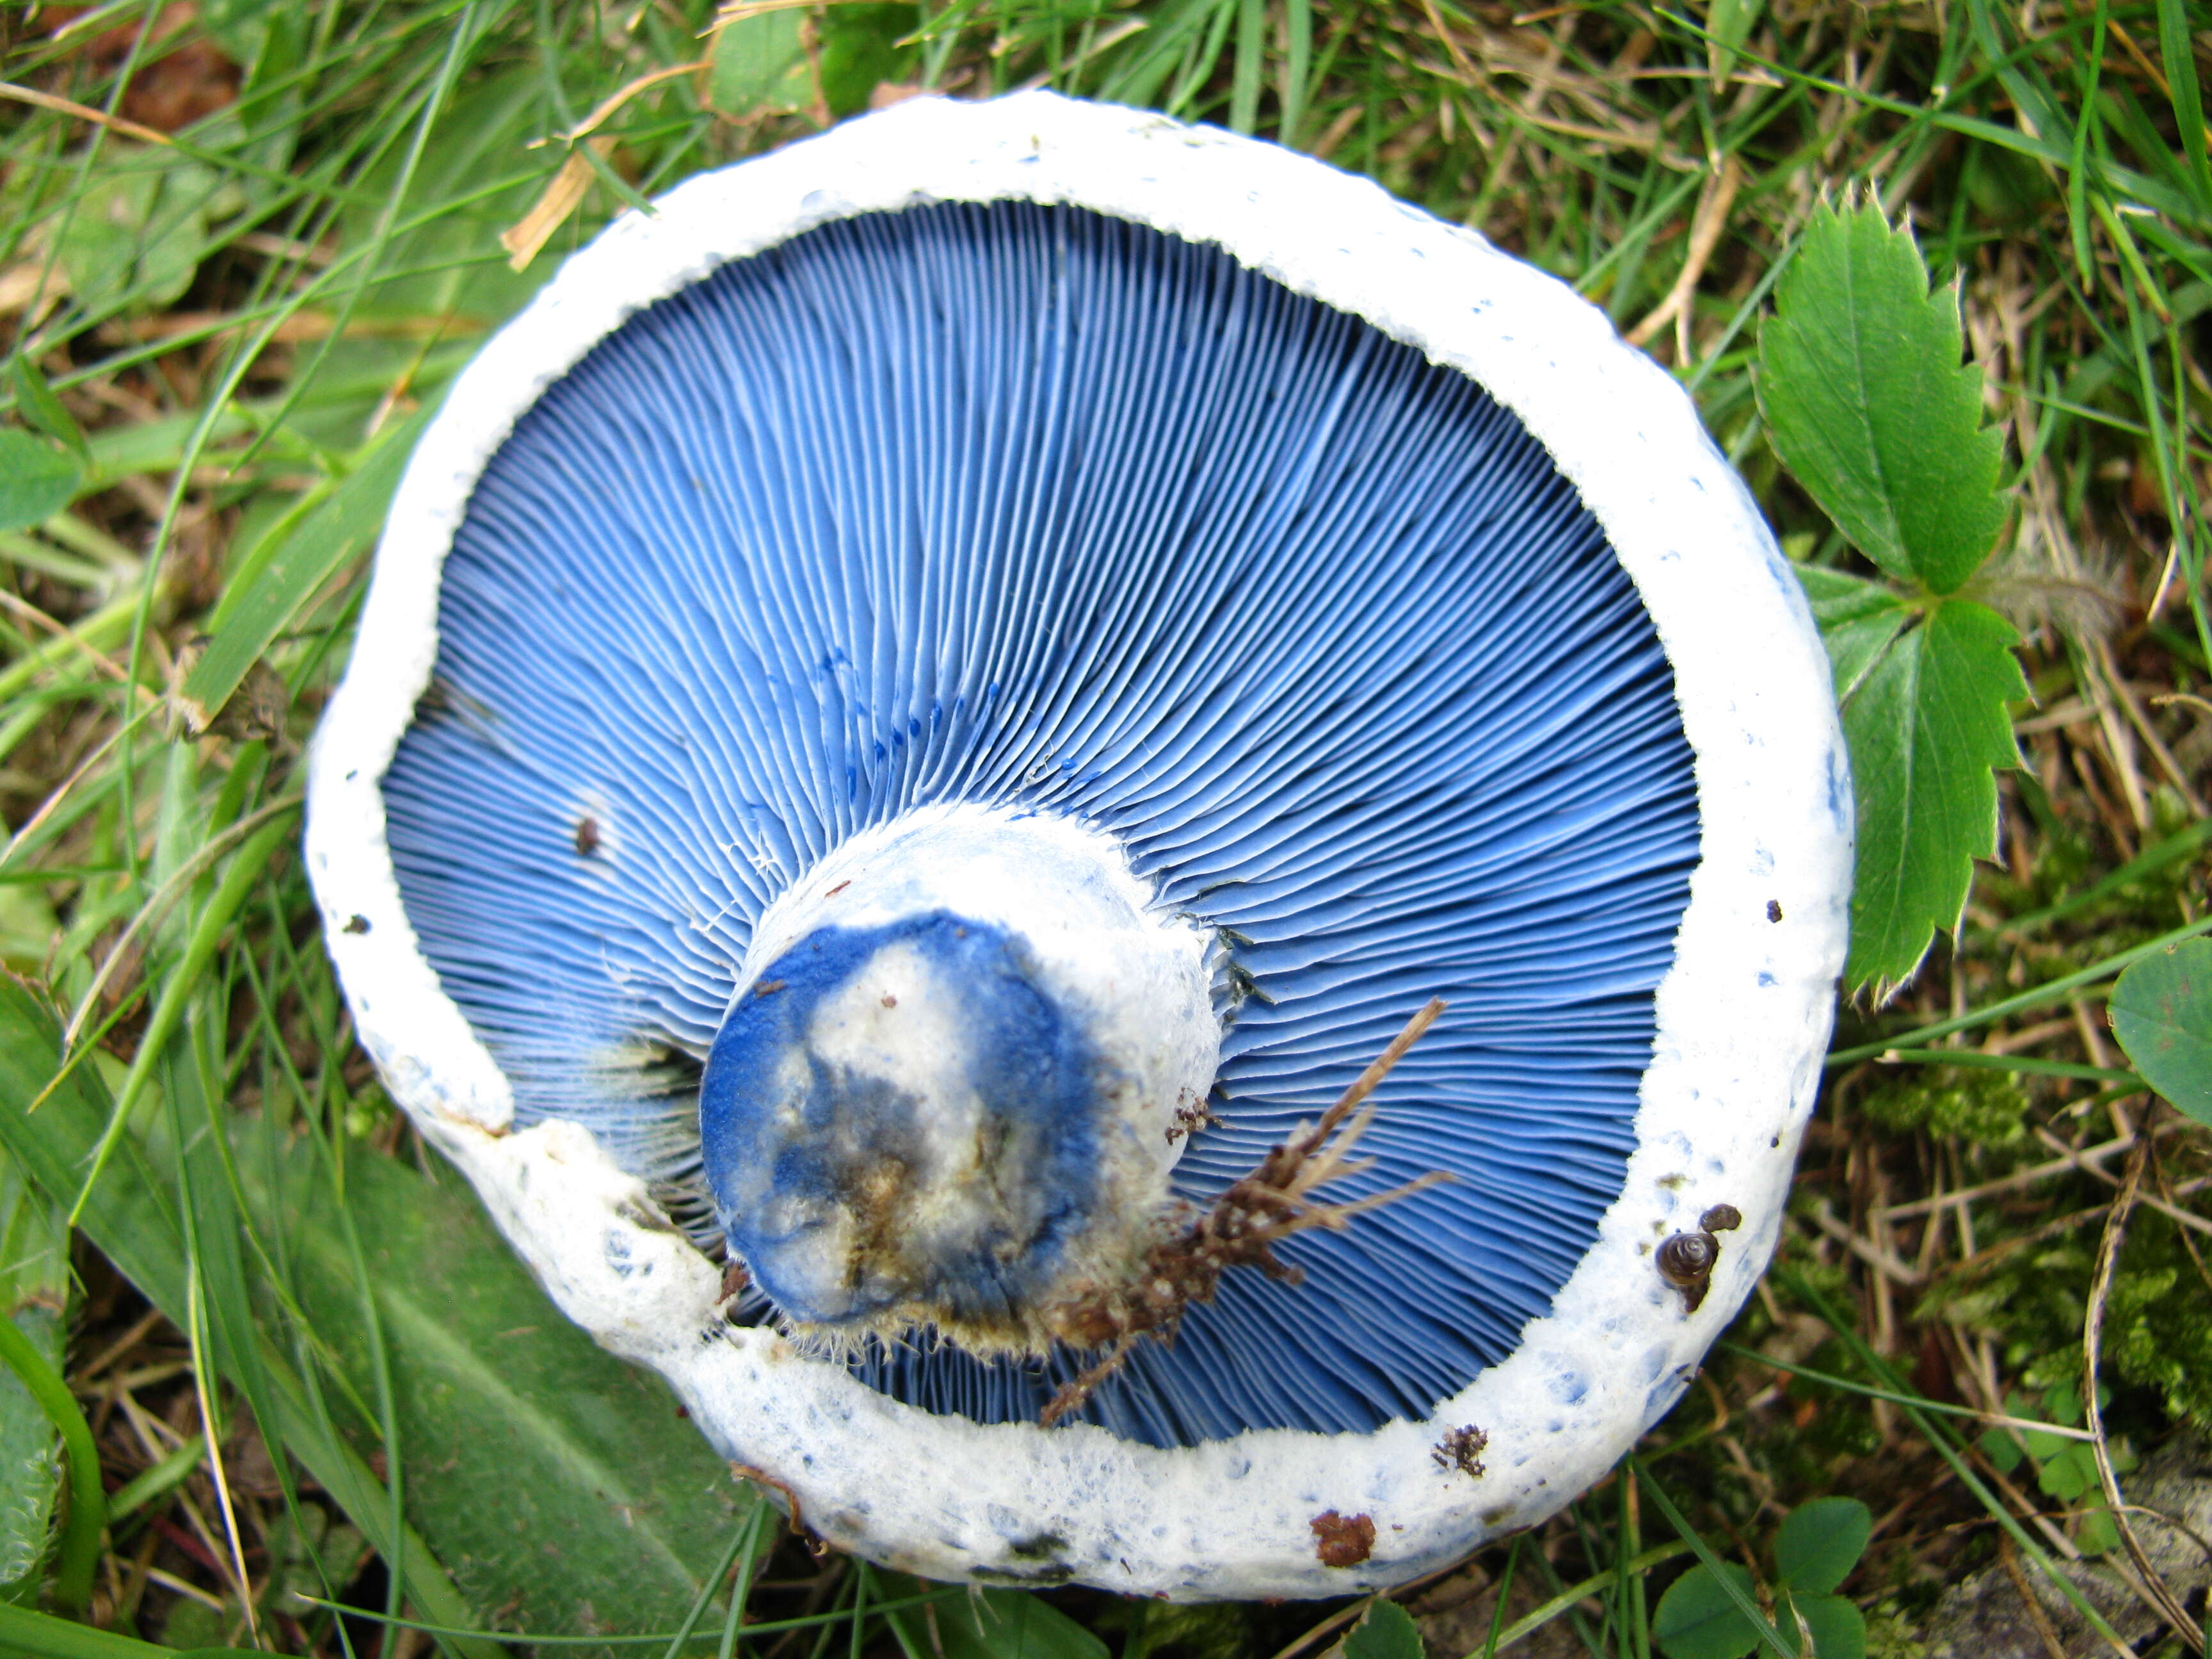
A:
[1098,545]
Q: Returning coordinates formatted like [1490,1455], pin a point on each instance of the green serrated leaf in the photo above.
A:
[1926,727]
[1838,1628]
[1819,1542]
[1696,1619]
[36,480]
[2162,1011]
[1858,619]
[759,64]
[1868,404]
[1386,1631]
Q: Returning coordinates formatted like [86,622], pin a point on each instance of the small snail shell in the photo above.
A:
[1685,1262]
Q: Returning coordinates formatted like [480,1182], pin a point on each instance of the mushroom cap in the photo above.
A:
[1341,587]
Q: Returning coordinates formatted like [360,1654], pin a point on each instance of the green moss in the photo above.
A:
[2158,1319]
[1982,1107]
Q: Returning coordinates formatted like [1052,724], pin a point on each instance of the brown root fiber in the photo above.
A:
[1239,1229]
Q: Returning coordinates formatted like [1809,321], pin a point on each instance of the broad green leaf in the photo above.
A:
[36,403]
[140,231]
[759,64]
[286,569]
[36,480]
[33,1288]
[861,50]
[992,1623]
[2069,1475]
[610,1508]
[1820,1543]
[1697,1619]
[1869,404]
[2002,1446]
[1858,619]
[2162,1011]
[1839,1628]
[1386,1631]
[1926,726]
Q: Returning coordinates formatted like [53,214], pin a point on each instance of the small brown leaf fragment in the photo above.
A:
[734,1279]
[587,836]
[563,194]
[889,1001]
[768,988]
[357,925]
[1461,1449]
[1341,1540]
[838,889]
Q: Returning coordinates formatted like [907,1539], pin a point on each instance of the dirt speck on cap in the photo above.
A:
[1342,1541]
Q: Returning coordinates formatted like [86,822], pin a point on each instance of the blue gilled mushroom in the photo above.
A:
[926,709]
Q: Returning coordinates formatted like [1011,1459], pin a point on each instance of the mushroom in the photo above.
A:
[931,702]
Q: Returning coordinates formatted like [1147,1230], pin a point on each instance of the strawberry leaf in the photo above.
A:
[1868,402]
[1858,619]
[1926,720]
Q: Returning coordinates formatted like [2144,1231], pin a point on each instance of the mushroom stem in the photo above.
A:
[1240,1229]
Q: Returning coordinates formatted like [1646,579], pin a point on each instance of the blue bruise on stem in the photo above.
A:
[1028,506]
[790,1135]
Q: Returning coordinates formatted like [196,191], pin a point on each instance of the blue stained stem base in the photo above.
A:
[1032,507]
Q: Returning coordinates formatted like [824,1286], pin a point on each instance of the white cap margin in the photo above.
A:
[1743,1015]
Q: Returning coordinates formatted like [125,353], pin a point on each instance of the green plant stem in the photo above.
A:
[1505,1588]
[740,1537]
[169,1010]
[88,1503]
[149,1484]
[2050,991]
[1845,1384]
[2025,1066]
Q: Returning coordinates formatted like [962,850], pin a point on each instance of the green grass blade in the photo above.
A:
[169,1008]
[2176,48]
[286,570]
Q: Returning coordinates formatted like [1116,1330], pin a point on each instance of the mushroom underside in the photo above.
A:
[1035,510]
